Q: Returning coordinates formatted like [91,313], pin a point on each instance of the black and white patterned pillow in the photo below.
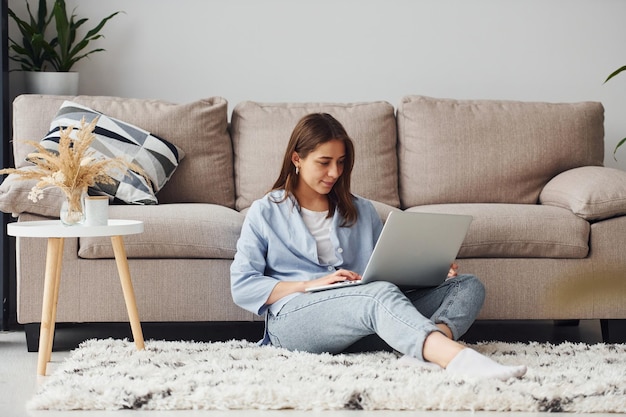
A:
[114,138]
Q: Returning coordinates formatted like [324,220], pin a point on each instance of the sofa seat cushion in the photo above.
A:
[191,230]
[519,231]
[490,151]
[261,131]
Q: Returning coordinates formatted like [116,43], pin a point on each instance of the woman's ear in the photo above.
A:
[295,158]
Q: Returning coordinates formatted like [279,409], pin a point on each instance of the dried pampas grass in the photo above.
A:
[74,168]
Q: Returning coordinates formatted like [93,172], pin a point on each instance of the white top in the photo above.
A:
[319,224]
[54,228]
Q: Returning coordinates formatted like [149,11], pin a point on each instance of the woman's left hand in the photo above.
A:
[453,271]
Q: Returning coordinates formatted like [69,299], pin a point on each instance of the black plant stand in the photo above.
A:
[5,296]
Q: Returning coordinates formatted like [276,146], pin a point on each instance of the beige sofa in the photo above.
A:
[547,237]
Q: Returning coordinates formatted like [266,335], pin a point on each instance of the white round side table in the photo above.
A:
[56,232]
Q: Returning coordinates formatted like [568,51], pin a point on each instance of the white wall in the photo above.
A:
[351,50]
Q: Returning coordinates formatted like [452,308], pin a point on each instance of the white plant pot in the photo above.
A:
[52,83]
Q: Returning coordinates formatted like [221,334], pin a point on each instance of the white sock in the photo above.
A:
[471,363]
[407,360]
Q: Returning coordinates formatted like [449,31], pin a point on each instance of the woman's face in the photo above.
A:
[321,169]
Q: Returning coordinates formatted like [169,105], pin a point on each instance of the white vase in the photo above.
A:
[52,83]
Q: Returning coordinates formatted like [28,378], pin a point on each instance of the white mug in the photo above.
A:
[96,210]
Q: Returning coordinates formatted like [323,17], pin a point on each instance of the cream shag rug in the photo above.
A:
[112,374]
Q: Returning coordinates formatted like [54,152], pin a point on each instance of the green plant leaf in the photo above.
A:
[42,16]
[98,28]
[31,53]
[620,143]
[614,73]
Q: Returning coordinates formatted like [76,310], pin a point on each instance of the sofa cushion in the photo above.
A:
[261,131]
[114,138]
[593,193]
[191,230]
[519,231]
[488,151]
[199,128]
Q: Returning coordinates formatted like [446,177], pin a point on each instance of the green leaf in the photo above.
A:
[98,28]
[620,143]
[614,73]
[31,52]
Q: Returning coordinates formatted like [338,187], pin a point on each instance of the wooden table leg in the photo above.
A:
[127,287]
[55,303]
[52,276]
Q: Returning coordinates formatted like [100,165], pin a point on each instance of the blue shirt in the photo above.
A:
[275,245]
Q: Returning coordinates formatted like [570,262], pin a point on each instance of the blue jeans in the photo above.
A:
[330,321]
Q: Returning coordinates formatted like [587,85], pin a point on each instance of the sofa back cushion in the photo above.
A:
[199,128]
[487,151]
[261,131]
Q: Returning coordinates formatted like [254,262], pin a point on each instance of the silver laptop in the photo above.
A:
[414,250]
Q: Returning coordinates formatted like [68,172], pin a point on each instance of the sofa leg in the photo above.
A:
[572,323]
[613,330]
[32,336]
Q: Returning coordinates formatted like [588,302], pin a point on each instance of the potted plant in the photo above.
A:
[46,58]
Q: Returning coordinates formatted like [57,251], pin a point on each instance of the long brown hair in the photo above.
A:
[310,132]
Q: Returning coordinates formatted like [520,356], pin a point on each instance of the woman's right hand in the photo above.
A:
[285,288]
[337,276]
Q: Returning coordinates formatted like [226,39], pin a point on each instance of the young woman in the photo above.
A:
[310,230]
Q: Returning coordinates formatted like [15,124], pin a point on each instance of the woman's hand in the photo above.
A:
[453,272]
[337,276]
[284,288]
